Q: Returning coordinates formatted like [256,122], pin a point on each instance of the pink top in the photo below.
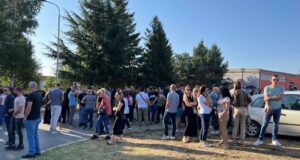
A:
[106,104]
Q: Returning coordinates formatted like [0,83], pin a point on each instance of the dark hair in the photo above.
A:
[90,87]
[224,92]
[11,89]
[58,84]
[275,75]
[142,89]
[1,91]
[203,89]
[238,85]
[19,89]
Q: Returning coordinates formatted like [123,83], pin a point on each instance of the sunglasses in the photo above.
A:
[188,89]
[275,80]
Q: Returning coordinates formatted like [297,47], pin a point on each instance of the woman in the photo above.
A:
[119,121]
[191,125]
[47,115]
[204,103]
[223,114]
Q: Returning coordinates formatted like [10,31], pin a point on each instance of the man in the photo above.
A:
[72,106]
[142,102]
[272,96]
[32,118]
[153,104]
[104,111]
[2,100]
[8,109]
[215,97]
[171,111]
[56,97]
[81,107]
[90,102]
[16,123]
[179,114]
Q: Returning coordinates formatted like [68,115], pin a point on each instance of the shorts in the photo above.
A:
[179,112]
[153,108]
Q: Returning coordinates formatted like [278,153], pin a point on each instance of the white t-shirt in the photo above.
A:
[126,109]
[3,96]
[20,103]
[204,109]
[142,99]
[130,101]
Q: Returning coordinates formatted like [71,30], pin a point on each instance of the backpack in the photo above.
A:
[241,99]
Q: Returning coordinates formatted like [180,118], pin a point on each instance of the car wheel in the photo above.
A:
[253,129]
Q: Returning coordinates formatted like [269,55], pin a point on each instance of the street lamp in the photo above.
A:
[58,44]
[243,70]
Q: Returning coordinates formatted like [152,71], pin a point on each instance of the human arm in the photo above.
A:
[226,107]
[119,106]
[187,103]
[28,109]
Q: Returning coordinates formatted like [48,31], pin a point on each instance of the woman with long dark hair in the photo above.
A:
[204,110]
[190,118]
[223,114]
[119,123]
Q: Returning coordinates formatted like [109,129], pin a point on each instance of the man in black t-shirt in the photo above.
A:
[81,107]
[179,115]
[32,120]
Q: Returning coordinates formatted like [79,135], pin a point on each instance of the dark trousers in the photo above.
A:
[16,125]
[215,120]
[167,118]
[230,119]
[88,113]
[160,111]
[7,122]
[65,111]
[131,112]
[127,120]
[204,126]
[1,114]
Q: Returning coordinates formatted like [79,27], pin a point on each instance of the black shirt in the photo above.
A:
[153,96]
[179,92]
[9,104]
[80,97]
[37,102]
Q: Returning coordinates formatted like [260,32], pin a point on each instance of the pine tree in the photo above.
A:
[106,43]
[157,68]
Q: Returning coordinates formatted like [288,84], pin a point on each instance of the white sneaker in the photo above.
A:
[165,137]
[173,138]
[276,143]
[258,142]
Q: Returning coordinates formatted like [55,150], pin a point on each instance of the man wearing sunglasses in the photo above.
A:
[272,97]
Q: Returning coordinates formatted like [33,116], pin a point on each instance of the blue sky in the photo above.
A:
[251,33]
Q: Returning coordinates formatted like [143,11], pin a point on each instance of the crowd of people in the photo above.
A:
[198,108]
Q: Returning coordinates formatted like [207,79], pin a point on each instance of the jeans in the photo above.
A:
[239,118]
[143,112]
[215,120]
[81,115]
[55,113]
[167,117]
[267,117]
[153,112]
[32,127]
[204,126]
[1,114]
[71,115]
[88,113]
[160,111]
[16,125]
[131,112]
[104,120]
[7,122]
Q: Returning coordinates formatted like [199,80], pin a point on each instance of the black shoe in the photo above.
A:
[10,147]
[38,154]
[20,147]
[107,138]
[28,156]
[101,133]
[94,137]
[6,143]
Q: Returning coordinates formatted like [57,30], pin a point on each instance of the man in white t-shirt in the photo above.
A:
[142,101]
[17,120]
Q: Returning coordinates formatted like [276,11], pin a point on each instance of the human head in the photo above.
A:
[9,90]
[275,79]
[19,91]
[173,87]
[142,89]
[118,95]
[216,90]
[33,86]
[203,90]
[237,85]
[90,90]
[224,92]
[196,92]
[101,92]
[58,85]
[187,90]
[1,91]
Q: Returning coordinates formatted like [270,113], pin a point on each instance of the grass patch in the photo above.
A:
[148,146]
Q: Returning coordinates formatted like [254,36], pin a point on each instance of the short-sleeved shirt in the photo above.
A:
[142,99]
[90,101]
[153,96]
[204,109]
[80,98]
[72,98]
[55,97]
[274,91]
[173,101]
[2,96]
[106,104]
[126,109]
[221,104]
[180,93]
[19,102]
[37,102]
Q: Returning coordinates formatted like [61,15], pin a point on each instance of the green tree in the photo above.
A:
[106,44]
[157,68]
[183,64]
[49,83]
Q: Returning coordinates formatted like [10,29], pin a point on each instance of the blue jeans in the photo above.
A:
[205,118]
[104,120]
[276,118]
[88,117]
[7,122]
[167,117]
[32,127]
[1,114]
[81,115]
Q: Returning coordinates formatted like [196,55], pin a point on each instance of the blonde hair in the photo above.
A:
[216,89]
[102,90]
[173,87]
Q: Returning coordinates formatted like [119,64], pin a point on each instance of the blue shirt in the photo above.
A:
[72,99]
[55,97]
[215,98]
[274,91]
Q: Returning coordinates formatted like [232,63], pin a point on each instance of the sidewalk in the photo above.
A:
[49,140]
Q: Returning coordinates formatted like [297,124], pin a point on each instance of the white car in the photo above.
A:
[289,121]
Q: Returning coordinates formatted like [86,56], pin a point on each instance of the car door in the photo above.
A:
[289,122]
